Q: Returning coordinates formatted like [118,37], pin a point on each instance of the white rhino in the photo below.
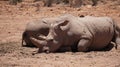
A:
[79,33]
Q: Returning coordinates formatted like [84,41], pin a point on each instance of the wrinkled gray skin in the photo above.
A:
[82,34]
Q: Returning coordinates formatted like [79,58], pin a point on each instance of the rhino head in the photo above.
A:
[57,31]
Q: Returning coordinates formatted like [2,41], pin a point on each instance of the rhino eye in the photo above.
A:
[45,22]
[55,28]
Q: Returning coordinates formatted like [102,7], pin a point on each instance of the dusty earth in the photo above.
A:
[13,20]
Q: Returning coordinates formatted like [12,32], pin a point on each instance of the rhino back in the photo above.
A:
[102,30]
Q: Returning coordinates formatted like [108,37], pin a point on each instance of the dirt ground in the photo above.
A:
[13,20]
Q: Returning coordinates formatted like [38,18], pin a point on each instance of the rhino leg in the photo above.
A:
[26,41]
[83,45]
[117,36]
[114,44]
[117,39]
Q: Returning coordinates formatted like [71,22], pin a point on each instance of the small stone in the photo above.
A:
[9,32]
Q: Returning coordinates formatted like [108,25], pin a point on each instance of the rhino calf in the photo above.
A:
[34,29]
[79,33]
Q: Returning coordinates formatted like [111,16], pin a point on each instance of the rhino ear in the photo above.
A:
[63,23]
